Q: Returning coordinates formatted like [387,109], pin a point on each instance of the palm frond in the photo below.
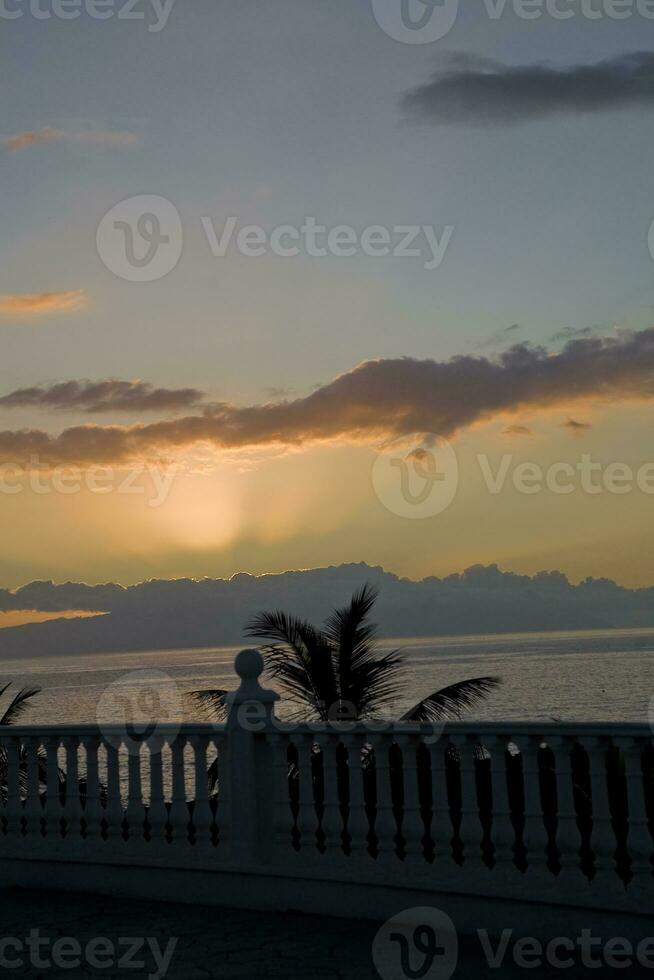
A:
[367,680]
[299,657]
[375,681]
[452,701]
[19,705]
[351,636]
[212,701]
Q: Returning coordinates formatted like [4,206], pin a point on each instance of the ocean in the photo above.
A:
[572,676]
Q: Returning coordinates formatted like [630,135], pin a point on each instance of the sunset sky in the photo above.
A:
[259,390]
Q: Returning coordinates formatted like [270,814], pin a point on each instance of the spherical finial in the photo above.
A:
[248,664]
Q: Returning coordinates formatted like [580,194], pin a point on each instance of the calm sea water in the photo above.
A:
[575,676]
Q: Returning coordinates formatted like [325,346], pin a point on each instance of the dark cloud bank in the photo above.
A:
[186,613]
[377,399]
[468,91]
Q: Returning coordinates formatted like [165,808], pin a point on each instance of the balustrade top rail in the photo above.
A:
[567,729]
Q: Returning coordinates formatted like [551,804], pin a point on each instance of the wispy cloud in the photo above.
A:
[376,400]
[22,141]
[37,304]
[571,333]
[572,425]
[517,430]
[500,338]
[111,395]
[482,92]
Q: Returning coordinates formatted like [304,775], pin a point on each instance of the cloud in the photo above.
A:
[517,430]
[276,393]
[111,395]
[576,427]
[21,141]
[500,338]
[37,304]
[487,93]
[210,612]
[376,400]
[571,333]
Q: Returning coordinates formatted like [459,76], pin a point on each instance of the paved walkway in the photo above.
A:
[211,943]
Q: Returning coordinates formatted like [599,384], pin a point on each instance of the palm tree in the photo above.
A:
[15,710]
[12,714]
[337,672]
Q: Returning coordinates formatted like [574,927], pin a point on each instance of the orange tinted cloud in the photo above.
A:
[111,395]
[377,399]
[31,304]
[21,141]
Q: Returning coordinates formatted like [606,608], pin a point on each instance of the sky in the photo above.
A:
[216,413]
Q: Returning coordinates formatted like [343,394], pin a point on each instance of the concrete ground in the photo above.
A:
[128,939]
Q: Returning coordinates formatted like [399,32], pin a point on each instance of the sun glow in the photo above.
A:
[202,513]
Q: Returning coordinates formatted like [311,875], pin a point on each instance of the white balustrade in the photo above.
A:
[90,793]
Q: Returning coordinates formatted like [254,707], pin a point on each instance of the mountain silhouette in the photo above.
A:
[187,613]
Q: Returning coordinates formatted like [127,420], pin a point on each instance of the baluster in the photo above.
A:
[202,816]
[157,813]
[14,808]
[223,801]
[470,831]
[358,825]
[307,817]
[114,814]
[534,835]
[441,823]
[385,824]
[73,807]
[53,805]
[413,827]
[568,839]
[3,786]
[502,832]
[639,840]
[332,820]
[134,813]
[92,807]
[179,814]
[283,814]
[603,842]
[33,809]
